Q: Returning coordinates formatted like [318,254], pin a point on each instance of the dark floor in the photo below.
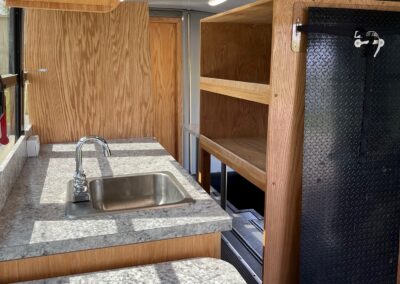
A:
[241,193]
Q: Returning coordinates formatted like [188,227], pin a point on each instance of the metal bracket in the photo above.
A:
[296,36]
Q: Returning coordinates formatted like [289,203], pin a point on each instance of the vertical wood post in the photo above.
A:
[284,152]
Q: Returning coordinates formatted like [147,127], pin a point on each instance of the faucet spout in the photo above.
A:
[80,183]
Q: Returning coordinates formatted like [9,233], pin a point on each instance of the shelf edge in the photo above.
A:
[249,171]
[259,93]
[236,11]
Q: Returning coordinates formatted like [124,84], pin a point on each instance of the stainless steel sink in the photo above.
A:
[126,193]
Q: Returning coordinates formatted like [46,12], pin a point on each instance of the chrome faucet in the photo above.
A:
[80,183]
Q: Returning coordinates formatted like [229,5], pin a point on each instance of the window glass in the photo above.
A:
[9,92]
[4,38]
[10,116]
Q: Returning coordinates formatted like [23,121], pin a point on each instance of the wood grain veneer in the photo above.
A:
[227,117]
[208,245]
[239,52]
[99,78]
[258,12]
[245,155]
[284,153]
[101,6]
[259,93]
[166,70]
[235,70]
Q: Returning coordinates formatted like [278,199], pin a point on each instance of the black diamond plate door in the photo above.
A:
[351,205]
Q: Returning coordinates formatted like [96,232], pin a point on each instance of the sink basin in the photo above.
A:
[126,193]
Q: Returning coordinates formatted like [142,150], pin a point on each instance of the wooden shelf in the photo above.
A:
[259,12]
[245,155]
[259,93]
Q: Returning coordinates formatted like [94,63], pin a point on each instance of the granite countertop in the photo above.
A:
[196,270]
[33,221]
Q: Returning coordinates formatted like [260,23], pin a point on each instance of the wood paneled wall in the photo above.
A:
[99,6]
[98,79]
[234,116]
[234,51]
[166,70]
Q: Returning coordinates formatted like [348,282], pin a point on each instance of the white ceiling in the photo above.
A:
[198,5]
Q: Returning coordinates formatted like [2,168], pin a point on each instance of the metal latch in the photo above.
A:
[296,36]
[370,38]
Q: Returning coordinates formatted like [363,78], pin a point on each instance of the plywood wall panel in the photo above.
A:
[226,117]
[166,62]
[98,79]
[239,52]
[99,6]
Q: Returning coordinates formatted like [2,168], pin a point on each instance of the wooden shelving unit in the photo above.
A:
[246,57]
[259,93]
[234,131]
[235,90]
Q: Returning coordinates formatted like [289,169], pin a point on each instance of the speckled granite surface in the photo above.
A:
[197,270]
[33,221]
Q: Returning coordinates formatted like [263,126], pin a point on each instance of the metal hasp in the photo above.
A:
[296,36]
[370,38]
[80,183]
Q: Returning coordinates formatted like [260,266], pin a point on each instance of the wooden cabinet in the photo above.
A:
[77,262]
[166,81]
[100,6]
[251,113]
[99,67]
[235,90]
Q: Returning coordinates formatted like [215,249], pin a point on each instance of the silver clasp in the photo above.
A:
[370,35]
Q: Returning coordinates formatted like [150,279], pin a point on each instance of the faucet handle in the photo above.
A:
[81,188]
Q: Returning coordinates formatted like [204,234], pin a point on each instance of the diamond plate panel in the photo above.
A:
[350,209]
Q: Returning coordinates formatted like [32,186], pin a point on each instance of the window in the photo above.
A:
[9,94]
[11,89]
[4,38]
